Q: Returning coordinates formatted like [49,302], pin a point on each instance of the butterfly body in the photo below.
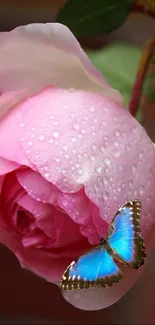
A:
[97,267]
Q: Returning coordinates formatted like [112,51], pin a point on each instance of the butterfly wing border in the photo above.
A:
[72,283]
[139,246]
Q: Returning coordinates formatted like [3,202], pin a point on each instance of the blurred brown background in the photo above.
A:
[53,4]
[27,299]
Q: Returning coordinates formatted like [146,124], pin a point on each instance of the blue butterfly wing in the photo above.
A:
[95,268]
[124,235]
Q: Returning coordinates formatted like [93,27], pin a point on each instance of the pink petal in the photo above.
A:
[11,192]
[83,139]
[37,187]
[38,209]
[54,223]
[77,205]
[10,139]
[49,264]
[9,99]
[83,211]
[1,182]
[7,166]
[39,261]
[11,188]
[38,55]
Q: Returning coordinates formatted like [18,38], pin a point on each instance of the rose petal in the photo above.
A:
[37,187]
[45,263]
[96,299]
[1,182]
[77,205]
[54,223]
[11,189]
[11,192]
[38,261]
[7,166]
[38,209]
[10,99]
[38,55]
[10,139]
[83,139]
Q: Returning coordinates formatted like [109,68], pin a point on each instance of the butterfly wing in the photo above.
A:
[95,268]
[124,235]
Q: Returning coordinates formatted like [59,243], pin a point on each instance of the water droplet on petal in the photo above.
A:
[141,155]
[46,175]
[105,180]
[66,156]
[63,171]
[92,109]
[116,153]
[76,126]
[148,199]
[83,131]
[141,190]
[55,134]
[105,196]
[30,143]
[116,144]
[50,141]
[66,107]
[133,168]
[93,146]
[92,157]
[130,183]
[80,171]
[120,168]
[133,129]
[73,139]
[102,149]
[123,184]
[99,169]
[22,125]
[128,146]
[41,137]
[65,148]
[107,161]
[57,159]
[116,133]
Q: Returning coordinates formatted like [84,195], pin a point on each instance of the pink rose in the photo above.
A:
[69,158]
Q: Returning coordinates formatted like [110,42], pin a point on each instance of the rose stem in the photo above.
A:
[142,71]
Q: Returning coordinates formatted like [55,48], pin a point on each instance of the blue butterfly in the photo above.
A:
[96,268]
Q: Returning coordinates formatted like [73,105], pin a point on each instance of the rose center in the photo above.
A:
[25,221]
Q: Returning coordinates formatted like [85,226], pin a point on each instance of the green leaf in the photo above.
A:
[118,63]
[94,17]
